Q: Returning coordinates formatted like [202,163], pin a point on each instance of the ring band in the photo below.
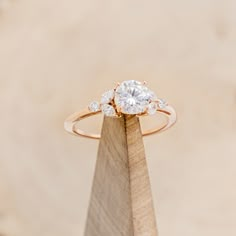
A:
[71,122]
[128,98]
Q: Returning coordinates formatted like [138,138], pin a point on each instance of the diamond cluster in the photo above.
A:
[105,105]
[130,97]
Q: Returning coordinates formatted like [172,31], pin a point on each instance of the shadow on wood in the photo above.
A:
[121,201]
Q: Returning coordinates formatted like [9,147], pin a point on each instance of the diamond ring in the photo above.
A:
[127,98]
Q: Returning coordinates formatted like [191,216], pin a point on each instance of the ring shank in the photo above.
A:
[71,121]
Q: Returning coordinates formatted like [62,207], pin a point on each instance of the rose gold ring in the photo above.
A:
[131,98]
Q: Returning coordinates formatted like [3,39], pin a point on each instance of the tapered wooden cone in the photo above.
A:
[121,201]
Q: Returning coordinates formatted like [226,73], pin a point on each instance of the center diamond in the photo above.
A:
[133,97]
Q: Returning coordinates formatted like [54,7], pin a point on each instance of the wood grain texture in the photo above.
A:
[121,201]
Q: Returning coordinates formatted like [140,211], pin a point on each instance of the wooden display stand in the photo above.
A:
[121,200]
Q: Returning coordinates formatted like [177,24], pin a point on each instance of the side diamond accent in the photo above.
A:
[152,108]
[107,97]
[94,106]
[162,103]
[108,110]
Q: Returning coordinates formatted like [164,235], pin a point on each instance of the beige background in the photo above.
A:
[55,56]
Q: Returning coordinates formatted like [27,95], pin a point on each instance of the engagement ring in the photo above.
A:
[127,98]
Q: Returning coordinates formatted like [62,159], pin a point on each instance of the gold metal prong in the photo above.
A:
[117,85]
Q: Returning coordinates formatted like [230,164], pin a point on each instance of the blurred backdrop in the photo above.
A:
[56,56]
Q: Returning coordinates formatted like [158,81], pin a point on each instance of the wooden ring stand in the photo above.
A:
[121,200]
